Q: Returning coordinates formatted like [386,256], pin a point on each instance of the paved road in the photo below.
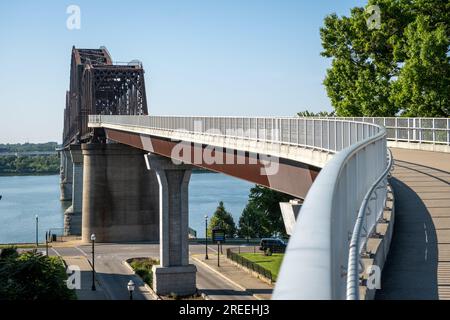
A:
[114,275]
[418,265]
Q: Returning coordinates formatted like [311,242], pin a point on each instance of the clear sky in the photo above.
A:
[210,57]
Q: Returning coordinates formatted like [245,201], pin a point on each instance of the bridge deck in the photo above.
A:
[418,266]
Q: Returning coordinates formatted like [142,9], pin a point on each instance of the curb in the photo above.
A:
[146,286]
[225,277]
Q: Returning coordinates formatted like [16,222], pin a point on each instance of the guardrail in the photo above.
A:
[329,135]
[415,130]
[316,260]
[361,232]
[250,265]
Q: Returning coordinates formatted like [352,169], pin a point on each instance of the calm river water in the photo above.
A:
[26,196]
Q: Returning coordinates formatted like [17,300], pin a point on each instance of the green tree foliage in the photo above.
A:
[253,223]
[222,219]
[400,68]
[32,276]
[48,164]
[263,206]
[28,147]
[307,113]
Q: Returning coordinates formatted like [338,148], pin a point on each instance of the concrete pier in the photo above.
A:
[120,196]
[174,274]
[66,173]
[72,216]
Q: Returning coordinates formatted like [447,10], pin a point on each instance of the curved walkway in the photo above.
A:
[418,265]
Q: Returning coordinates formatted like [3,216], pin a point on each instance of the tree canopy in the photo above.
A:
[400,67]
[262,216]
[223,220]
[32,276]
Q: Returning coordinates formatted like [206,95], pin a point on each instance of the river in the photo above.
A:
[24,197]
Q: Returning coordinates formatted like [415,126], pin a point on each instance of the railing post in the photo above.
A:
[335,135]
[396,129]
[328,136]
[448,131]
[313,133]
[420,130]
[408,130]
[434,130]
[321,134]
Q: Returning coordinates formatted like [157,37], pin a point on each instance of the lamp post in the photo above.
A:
[206,237]
[46,242]
[93,262]
[130,287]
[37,230]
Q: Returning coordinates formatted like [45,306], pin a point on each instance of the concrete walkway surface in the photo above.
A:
[418,264]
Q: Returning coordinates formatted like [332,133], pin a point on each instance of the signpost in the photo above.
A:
[218,235]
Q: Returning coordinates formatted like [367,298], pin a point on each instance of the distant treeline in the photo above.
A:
[24,165]
[28,147]
[28,165]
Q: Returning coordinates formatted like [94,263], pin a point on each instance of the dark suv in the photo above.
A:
[274,244]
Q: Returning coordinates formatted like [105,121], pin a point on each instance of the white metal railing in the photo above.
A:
[316,260]
[305,132]
[361,232]
[329,135]
[413,130]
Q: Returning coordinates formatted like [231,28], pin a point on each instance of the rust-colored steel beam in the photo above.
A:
[97,86]
[292,177]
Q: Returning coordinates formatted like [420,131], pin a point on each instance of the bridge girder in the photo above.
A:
[98,86]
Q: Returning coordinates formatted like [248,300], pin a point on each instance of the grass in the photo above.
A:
[271,263]
[143,268]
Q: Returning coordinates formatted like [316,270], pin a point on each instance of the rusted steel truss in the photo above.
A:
[97,86]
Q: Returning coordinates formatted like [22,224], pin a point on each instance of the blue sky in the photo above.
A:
[210,57]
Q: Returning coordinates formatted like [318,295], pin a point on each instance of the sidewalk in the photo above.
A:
[86,293]
[240,278]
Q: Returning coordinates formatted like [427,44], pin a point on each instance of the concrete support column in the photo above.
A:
[120,196]
[174,274]
[66,175]
[290,211]
[72,216]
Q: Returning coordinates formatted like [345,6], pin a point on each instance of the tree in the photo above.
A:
[307,113]
[424,81]
[264,206]
[222,219]
[402,67]
[32,276]
[253,223]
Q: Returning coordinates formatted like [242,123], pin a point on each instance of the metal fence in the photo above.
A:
[250,265]
[415,130]
[317,257]
[329,135]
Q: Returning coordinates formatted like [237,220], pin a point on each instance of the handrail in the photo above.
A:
[355,247]
[315,263]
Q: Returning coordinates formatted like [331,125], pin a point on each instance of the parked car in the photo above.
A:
[274,244]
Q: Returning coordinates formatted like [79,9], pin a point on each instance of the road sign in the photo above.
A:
[218,235]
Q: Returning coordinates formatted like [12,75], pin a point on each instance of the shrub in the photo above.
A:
[9,253]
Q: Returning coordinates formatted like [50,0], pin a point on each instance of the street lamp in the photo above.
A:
[37,226]
[47,234]
[93,262]
[130,287]
[206,237]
